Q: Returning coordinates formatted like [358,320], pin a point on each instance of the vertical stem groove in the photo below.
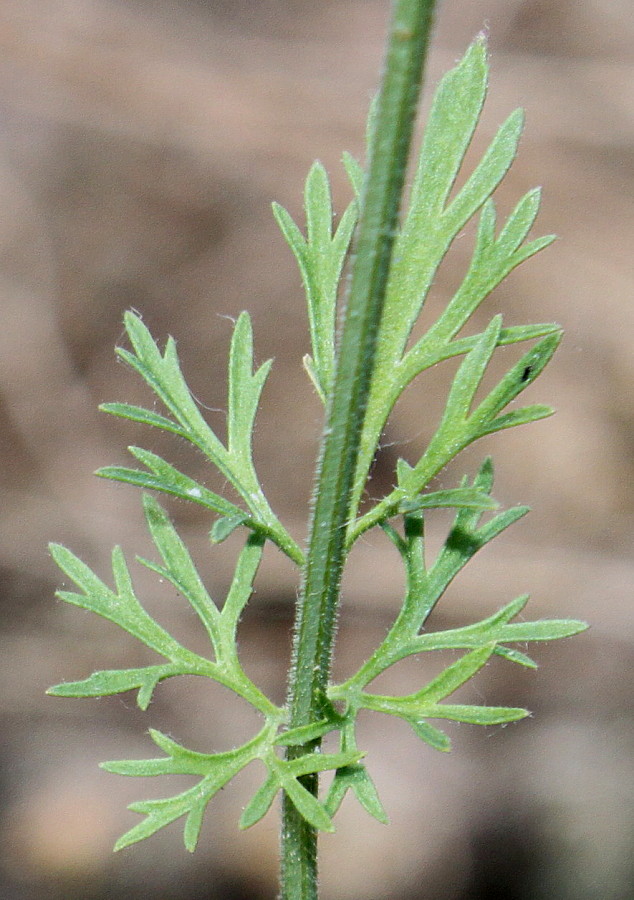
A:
[317,608]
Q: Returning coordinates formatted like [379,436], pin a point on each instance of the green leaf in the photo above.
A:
[518,417]
[513,655]
[162,372]
[520,222]
[117,681]
[284,774]
[450,126]
[307,805]
[514,382]
[240,590]
[214,770]
[433,221]
[432,736]
[489,173]
[222,528]
[193,824]
[143,417]
[514,335]
[421,704]
[457,498]
[543,630]
[320,258]
[260,803]
[470,375]
[355,778]
[453,677]
[318,762]
[159,813]
[478,715]
[355,173]
[168,480]
[295,737]
[121,607]
[459,425]
[179,568]
[245,387]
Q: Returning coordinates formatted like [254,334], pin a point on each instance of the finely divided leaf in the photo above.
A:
[162,372]
[320,257]
[433,221]
[215,771]
[121,607]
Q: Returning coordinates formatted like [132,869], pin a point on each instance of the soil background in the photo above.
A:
[141,144]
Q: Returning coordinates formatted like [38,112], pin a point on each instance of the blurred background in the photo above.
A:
[141,144]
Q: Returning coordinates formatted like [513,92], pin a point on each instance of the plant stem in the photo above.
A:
[317,608]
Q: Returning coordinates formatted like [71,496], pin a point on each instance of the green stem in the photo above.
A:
[317,607]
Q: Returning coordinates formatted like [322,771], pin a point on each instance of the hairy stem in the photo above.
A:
[317,608]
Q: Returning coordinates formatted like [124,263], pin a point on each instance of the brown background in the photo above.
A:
[140,146]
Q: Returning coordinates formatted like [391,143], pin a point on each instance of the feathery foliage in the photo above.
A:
[437,213]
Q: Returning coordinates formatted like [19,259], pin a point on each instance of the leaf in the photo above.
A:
[432,736]
[355,173]
[168,480]
[260,803]
[215,771]
[355,778]
[162,372]
[117,681]
[143,417]
[222,528]
[513,655]
[459,425]
[453,118]
[463,541]
[478,715]
[513,383]
[193,824]
[470,375]
[121,607]
[432,223]
[240,590]
[318,762]
[320,257]
[421,704]
[453,677]
[307,805]
[245,387]
[179,568]
[518,417]
[514,335]
[457,498]
[296,737]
